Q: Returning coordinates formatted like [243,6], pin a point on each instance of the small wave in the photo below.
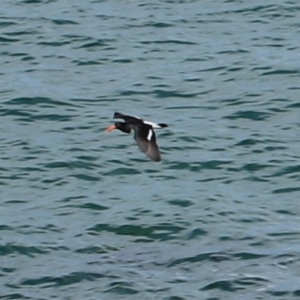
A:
[250,115]
[9,249]
[62,280]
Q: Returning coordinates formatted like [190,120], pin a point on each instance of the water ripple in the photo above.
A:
[84,213]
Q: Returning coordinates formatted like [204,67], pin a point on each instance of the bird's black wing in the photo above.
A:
[146,140]
[150,149]
[126,118]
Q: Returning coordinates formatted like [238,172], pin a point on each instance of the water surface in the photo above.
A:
[85,214]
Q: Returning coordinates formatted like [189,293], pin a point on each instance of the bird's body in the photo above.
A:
[143,133]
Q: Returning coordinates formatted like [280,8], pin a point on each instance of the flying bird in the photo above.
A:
[143,133]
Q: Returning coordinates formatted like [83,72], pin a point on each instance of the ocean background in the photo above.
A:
[85,215]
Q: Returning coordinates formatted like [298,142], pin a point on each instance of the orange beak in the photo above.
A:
[110,128]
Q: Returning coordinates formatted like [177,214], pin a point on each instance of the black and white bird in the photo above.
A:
[143,133]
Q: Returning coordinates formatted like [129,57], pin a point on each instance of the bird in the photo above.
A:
[144,133]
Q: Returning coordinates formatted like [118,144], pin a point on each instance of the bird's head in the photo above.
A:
[121,126]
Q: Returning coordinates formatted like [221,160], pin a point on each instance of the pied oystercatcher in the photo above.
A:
[143,133]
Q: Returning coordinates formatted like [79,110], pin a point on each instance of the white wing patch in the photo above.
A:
[150,134]
[154,125]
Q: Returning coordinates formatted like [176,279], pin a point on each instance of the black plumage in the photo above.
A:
[143,133]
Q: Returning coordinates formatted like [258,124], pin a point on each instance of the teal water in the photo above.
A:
[85,214]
